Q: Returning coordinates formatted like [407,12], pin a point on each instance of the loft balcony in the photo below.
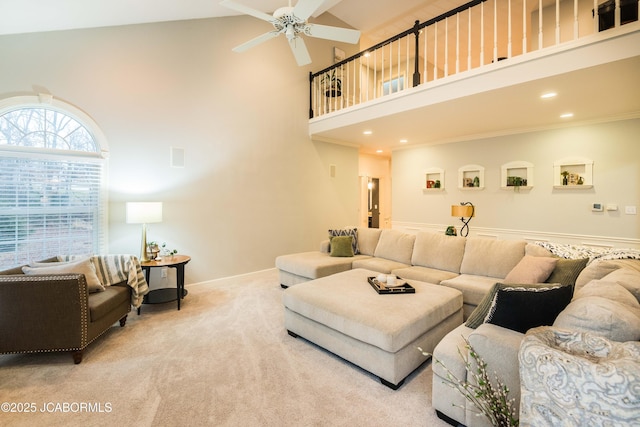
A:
[480,70]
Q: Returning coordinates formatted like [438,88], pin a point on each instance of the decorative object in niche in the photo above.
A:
[516,175]
[573,173]
[471,177]
[434,177]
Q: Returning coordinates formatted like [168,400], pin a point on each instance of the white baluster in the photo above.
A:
[435,52]
[557,22]
[509,31]
[481,34]
[576,25]
[540,40]
[469,43]
[457,42]
[524,27]
[446,47]
[495,31]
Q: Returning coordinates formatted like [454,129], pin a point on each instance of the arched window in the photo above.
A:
[52,188]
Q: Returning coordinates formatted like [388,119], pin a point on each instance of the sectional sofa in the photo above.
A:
[471,265]
[589,294]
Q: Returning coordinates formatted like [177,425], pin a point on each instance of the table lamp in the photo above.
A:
[144,213]
[465,209]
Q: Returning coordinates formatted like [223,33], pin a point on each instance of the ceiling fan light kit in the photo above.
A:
[292,22]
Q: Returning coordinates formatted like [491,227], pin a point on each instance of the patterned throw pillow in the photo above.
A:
[347,232]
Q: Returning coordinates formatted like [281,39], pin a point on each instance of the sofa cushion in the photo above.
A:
[81,267]
[492,258]
[521,308]
[101,304]
[379,265]
[473,288]
[395,245]
[609,290]
[353,232]
[531,269]
[567,271]
[368,240]
[424,274]
[626,277]
[602,316]
[595,270]
[536,250]
[434,250]
[342,246]
[476,318]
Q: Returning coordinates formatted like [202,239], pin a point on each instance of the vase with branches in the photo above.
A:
[491,400]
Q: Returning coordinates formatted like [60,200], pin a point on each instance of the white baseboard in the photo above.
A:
[528,235]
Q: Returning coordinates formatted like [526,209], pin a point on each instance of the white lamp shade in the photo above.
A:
[144,212]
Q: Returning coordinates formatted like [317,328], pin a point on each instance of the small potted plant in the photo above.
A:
[565,177]
[169,253]
[333,85]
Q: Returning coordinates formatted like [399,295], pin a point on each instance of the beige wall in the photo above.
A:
[254,185]
[612,146]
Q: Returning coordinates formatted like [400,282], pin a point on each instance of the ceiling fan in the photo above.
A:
[292,22]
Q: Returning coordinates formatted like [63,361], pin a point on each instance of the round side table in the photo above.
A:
[163,295]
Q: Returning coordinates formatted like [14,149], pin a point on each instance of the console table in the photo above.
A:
[163,295]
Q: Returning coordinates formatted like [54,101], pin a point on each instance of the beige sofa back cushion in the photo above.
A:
[395,245]
[492,258]
[368,240]
[434,250]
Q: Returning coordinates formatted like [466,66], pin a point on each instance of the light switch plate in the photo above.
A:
[630,210]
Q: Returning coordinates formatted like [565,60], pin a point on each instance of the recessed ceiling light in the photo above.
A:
[367,132]
[566,115]
[379,151]
[548,95]
[404,141]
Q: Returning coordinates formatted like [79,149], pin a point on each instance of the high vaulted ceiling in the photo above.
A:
[377,20]
[597,93]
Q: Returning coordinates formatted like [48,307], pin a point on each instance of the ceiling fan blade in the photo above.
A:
[305,8]
[345,35]
[256,41]
[300,51]
[246,10]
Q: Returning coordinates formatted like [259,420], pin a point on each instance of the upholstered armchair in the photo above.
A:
[578,379]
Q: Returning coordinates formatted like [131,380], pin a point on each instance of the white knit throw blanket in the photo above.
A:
[113,269]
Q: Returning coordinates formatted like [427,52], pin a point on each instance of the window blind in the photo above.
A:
[50,205]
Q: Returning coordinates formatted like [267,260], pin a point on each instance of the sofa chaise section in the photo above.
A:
[302,267]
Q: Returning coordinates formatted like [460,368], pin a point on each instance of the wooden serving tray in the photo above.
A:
[382,289]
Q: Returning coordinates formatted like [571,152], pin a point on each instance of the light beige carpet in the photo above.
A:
[224,359]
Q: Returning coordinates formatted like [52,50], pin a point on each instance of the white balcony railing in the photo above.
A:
[476,34]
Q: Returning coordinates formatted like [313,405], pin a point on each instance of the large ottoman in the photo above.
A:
[380,333]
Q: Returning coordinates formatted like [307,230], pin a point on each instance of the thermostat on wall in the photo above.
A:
[596,207]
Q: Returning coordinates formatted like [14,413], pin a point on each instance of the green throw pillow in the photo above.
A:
[341,246]
[567,271]
[476,318]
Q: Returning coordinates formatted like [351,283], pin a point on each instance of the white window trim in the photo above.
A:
[102,154]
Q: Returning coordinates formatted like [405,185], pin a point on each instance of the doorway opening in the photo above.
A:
[373,189]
